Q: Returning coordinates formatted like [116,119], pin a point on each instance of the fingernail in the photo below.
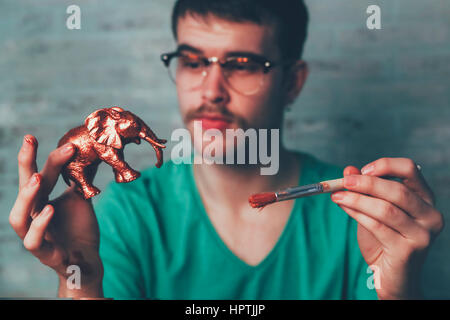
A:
[28,141]
[34,180]
[368,169]
[68,148]
[350,181]
[337,196]
[46,212]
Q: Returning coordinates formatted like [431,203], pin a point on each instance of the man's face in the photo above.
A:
[214,102]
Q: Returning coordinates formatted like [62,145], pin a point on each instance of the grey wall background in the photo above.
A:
[370,94]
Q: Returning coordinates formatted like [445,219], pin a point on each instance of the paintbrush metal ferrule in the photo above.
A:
[310,189]
[298,192]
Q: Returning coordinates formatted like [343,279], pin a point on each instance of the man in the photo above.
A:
[187,231]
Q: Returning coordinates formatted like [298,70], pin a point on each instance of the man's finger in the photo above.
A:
[35,236]
[380,210]
[387,237]
[391,191]
[349,170]
[19,217]
[52,167]
[403,168]
[26,159]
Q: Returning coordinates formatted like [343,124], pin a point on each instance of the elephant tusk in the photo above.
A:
[154,142]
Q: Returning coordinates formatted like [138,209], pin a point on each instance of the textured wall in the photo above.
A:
[370,94]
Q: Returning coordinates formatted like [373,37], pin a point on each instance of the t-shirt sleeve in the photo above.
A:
[122,275]
[360,286]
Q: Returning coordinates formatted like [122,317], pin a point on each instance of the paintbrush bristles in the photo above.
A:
[261,200]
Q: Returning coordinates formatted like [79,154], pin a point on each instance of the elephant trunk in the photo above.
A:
[148,135]
[157,144]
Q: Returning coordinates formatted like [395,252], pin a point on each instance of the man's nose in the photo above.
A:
[213,88]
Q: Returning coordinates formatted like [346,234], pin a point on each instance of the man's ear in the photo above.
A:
[296,78]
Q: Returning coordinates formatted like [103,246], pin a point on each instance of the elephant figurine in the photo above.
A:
[102,138]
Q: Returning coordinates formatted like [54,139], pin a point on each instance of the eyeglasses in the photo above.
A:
[244,74]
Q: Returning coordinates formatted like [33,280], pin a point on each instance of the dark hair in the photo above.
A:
[290,16]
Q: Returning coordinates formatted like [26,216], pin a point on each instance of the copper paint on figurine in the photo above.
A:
[102,138]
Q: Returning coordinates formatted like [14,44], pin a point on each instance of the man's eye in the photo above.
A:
[243,65]
[190,63]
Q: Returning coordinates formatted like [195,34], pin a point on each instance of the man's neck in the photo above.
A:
[229,186]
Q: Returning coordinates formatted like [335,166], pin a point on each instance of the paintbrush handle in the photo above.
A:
[333,185]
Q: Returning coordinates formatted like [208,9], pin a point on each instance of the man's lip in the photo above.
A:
[212,117]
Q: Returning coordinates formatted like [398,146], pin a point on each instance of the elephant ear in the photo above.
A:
[101,125]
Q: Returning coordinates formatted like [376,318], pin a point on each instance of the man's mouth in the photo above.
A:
[213,121]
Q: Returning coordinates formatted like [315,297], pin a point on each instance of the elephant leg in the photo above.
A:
[118,176]
[123,172]
[84,186]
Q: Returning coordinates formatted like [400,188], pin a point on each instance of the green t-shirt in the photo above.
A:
[157,242]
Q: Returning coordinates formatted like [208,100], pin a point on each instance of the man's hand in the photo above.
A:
[397,222]
[60,232]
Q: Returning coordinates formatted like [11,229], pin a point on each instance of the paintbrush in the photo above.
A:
[260,200]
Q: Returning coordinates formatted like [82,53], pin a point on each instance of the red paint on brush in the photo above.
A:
[260,200]
[326,186]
